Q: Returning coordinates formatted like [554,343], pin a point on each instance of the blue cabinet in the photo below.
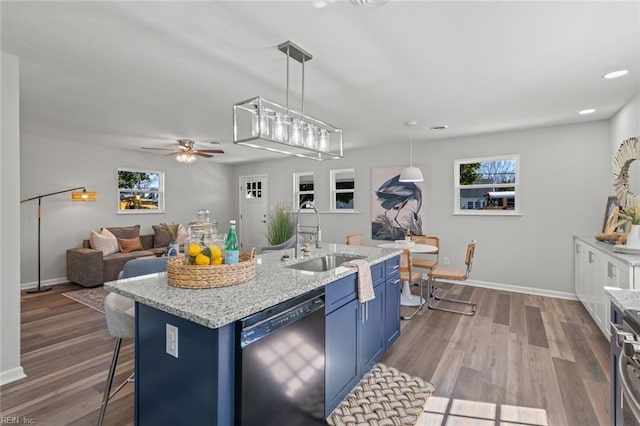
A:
[358,334]
[371,327]
[341,372]
[393,285]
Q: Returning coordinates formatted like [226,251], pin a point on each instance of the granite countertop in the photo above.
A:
[624,298]
[273,284]
[631,259]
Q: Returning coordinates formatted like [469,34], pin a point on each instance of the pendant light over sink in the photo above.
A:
[411,174]
[259,123]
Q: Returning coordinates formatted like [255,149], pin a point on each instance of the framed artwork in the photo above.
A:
[395,205]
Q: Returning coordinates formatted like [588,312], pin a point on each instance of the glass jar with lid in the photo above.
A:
[202,245]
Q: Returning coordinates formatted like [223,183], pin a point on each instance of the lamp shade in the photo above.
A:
[411,174]
[84,196]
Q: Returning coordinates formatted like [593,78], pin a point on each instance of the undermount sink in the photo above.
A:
[324,263]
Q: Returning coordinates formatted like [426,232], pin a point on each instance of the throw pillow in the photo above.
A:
[161,238]
[105,241]
[130,244]
[126,231]
[182,235]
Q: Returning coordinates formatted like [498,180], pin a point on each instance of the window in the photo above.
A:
[343,183]
[303,189]
[140,191]
[487,185]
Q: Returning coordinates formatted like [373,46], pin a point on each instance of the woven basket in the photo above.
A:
[208,276]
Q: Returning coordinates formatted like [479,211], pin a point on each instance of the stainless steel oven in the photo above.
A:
[628,374]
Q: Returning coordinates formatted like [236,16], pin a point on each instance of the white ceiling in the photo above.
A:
[133,74]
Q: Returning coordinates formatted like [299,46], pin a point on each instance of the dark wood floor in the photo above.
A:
[520,360]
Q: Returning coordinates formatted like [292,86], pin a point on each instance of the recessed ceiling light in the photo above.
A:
[587,111]
[615,74]
[442,127]
[320,4]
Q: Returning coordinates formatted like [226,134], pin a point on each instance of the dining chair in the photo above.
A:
[407,274]
[120,314]
[452,273]
[431,261]
[355,239]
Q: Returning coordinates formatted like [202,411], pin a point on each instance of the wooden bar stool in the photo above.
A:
[452,273]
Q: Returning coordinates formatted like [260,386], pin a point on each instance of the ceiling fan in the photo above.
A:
[185,153]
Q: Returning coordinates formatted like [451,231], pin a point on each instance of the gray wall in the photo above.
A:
[10,368]
[53,165]
[564,185]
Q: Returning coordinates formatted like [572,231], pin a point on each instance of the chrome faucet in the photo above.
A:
[305,205]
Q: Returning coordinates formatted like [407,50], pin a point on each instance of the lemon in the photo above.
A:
[194,249]
[216,261]
[216,252]
[201,259]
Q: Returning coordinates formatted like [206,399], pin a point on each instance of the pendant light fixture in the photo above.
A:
[259,123]
[411,174]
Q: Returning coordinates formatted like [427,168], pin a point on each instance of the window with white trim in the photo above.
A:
[140,191]
[303,189]
[343,189]
[488,185]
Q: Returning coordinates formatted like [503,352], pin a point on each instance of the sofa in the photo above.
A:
[91,267]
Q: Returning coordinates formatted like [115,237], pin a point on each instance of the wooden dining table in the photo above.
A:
[406,298]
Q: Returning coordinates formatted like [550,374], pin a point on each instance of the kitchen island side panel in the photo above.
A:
[194,388]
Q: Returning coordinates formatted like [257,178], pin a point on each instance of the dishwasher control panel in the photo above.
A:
[275,319]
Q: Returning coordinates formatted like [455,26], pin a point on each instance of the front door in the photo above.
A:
[253,212]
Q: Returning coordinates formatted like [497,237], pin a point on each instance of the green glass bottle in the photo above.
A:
[231,250]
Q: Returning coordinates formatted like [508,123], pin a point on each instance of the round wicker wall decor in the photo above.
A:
[628,152]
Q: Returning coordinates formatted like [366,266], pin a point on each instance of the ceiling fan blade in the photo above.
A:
[159,149]
[202,154]
[215,151]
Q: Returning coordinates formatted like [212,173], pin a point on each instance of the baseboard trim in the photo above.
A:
[11,375]
[52,281]
[517,289]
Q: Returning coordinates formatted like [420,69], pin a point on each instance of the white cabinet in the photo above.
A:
[596,267]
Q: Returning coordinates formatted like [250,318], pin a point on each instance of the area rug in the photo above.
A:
[91,297]
[384,396]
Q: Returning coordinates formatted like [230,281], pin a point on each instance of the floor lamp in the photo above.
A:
[75,196]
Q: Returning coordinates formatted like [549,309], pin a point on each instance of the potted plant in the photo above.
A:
[632,214]
[279,225]
[173,248]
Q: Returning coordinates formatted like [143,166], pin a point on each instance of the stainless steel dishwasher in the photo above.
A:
[281,365]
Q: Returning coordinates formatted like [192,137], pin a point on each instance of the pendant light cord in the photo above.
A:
[411,147]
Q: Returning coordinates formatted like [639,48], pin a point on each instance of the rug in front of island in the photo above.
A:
[384,396]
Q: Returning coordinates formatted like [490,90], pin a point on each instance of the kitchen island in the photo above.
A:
[198,384]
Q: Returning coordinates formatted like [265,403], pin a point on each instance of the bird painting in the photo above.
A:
[401,202]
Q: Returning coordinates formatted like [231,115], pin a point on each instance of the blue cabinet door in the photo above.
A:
[340,354]
[392,310]
[371,317]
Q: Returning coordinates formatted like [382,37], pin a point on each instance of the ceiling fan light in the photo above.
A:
[411,174]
